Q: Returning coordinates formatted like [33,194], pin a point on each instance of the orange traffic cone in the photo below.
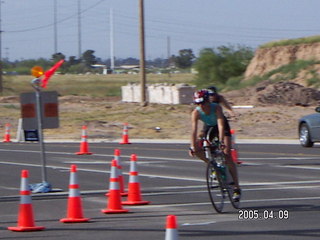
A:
[25,219]
[121,178]
[171,228]
[7,133]
[84,146]
[114,203]
[134,193]
[234,151]
[74,211]
[125,136]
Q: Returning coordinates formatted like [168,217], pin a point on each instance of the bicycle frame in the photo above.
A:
[222,184]
[213,153]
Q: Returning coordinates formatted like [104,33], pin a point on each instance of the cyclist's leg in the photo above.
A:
[231,165]
[203,131]
[199,152]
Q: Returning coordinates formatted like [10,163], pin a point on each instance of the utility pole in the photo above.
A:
[1,81]
[55,30]
[111,40]
[6,54]
[169,56]
[79,28]
[142,54]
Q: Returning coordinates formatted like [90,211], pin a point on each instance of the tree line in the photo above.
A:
[222,66]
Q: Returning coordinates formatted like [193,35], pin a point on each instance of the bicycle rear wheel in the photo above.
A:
[215,189]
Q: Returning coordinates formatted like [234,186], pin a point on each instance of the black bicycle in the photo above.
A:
[219,180]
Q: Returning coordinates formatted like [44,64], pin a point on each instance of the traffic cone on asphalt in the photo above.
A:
[114,201]
[25,218]
[171,228]
[74,208]
[125,136]
[7,137]
[134,193]
[234,151]
[121,178]
[84,146]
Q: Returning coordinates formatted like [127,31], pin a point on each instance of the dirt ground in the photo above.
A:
[173,122]
[105,118]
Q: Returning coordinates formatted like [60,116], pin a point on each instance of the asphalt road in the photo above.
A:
[280,185]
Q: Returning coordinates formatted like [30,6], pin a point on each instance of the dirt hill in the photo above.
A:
[297,87]
[268,93]
[268,59]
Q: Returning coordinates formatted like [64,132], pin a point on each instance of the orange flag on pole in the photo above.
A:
[49,73]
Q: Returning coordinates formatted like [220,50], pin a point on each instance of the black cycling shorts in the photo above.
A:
[215,131]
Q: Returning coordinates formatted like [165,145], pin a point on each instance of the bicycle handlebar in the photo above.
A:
[213,144]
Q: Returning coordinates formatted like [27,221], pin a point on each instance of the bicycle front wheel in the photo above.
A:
[230,186]
[215,189]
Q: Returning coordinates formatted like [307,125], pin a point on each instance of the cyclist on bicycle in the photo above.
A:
[212,117]
[215,97]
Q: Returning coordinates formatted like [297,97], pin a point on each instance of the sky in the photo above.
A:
[170,25]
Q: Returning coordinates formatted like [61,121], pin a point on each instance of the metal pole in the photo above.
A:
[79,29]
[55,29]
[169,56]
[142,55]
[111,41]
[1,66]
[40,133]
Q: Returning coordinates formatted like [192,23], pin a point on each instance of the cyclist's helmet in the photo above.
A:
[200,96]
[212,90]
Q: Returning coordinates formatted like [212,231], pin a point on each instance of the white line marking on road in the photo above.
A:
[310,167]
[173,159]
[108,162]
[279,158]
[278,183]
[198,224]
[83,162]
[194,179]
[244,189]
[108,155]
[281,199]
[242,201]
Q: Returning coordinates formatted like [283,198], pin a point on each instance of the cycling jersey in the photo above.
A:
[211,118]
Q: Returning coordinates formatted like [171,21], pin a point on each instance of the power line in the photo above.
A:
[60,21]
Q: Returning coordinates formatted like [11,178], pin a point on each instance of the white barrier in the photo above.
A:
[159,93]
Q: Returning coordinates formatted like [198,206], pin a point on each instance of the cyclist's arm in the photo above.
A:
[194,128]
[227,106]
[220,120]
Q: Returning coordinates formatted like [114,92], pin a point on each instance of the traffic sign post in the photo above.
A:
[45,185]
[39,110]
